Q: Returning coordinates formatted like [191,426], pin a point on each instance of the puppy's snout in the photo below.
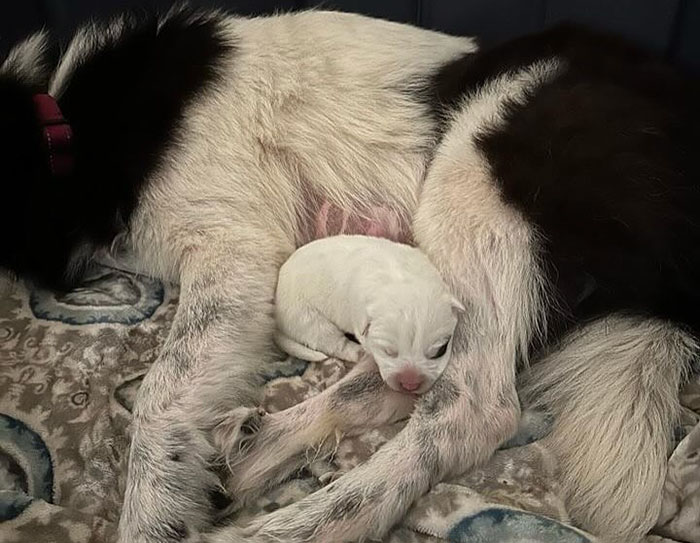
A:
[410,379]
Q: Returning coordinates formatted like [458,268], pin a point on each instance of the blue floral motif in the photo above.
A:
[12,504]
[498,525]
[534,425]
[291,367]
[108,296]
[18,440]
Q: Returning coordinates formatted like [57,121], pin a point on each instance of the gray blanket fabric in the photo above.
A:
[70,366]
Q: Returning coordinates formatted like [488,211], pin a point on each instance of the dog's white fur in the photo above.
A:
[312,108]
[386,294]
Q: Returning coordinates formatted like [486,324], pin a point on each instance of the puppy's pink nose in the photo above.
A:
[410,380]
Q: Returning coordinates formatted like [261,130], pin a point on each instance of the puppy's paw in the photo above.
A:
[233,436]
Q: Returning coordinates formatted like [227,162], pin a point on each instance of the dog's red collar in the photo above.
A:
[57,133]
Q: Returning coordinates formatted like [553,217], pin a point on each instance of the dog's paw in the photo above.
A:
[325,471]
[173,490]
[330,477]
[233,436]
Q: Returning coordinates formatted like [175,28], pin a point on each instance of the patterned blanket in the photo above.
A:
[70,366]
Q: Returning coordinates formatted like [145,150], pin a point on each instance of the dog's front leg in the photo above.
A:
[458,423]
[219,341]
[276,445]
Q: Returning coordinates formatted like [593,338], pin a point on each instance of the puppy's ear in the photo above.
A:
[457,305]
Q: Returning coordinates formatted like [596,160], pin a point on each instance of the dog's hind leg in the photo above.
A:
[612,388]
[219,341]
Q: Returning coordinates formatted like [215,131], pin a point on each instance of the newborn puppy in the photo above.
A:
[344,296]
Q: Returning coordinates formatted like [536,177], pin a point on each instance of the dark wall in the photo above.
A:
[671,27]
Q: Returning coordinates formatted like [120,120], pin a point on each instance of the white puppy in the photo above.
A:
[346,295]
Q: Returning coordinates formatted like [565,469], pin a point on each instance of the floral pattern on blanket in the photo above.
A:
[70,367]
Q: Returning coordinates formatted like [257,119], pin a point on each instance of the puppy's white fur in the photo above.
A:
[388,295]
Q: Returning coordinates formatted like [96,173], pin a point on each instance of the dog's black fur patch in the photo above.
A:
[588,49]
[123,102]
[601,160]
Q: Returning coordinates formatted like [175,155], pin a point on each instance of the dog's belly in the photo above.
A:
[327,219]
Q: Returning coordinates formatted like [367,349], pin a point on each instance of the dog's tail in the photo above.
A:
[612,389]
[297,350]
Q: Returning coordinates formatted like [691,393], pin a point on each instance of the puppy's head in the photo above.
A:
[31,202]
[409,334]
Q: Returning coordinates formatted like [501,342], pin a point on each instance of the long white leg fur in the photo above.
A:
[210,362]
[284,442]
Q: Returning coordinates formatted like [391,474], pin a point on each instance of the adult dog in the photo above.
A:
[552,181]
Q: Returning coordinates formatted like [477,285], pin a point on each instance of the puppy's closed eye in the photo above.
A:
[391,353]
[441,351]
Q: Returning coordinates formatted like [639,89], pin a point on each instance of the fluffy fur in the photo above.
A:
[387,297]
[613,383]
[277,445]
[486,160]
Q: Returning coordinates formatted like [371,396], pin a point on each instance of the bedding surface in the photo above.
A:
[70,366]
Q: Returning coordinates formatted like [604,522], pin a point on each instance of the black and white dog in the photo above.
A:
[553,181]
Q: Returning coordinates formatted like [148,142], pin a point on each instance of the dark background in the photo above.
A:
[671,27]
